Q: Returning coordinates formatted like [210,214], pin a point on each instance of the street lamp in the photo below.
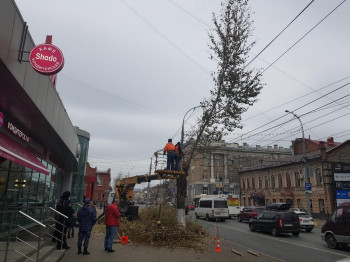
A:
[306,174]
[183,124]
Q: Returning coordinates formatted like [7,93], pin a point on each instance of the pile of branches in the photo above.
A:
[157,226]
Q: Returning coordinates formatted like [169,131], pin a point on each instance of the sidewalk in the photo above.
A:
[132,252]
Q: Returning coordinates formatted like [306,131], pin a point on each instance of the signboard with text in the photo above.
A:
[46,59]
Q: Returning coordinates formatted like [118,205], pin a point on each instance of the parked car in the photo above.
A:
[191,207]
[336,231]
[276,221]
[249,212]
[306,221]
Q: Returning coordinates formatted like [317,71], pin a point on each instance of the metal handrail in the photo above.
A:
[39,238]
[28,216]
[58,212]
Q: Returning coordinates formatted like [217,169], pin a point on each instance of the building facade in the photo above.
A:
[97,184]
[38,143]
[78,183]
[215,170]
[284,180]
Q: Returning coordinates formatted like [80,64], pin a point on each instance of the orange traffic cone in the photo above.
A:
[218,249]
[124,240]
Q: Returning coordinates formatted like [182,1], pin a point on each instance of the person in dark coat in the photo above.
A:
[64,207]
[87,219]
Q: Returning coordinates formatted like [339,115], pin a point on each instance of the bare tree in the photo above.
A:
[235,86]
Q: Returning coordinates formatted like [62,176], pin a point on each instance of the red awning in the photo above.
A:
[15,152]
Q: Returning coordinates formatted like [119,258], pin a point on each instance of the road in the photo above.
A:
[307,247]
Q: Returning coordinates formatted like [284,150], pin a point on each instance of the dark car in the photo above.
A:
[249,212]
[276,222]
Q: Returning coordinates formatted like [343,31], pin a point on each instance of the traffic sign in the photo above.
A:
[308,187]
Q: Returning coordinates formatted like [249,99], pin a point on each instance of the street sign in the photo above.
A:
[308,187]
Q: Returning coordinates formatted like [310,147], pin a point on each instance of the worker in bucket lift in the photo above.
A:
[178,155]
[169,149]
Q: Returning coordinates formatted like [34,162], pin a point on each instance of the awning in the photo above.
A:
[15,152]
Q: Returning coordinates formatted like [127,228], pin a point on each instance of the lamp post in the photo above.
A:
[183,124]
[306,173]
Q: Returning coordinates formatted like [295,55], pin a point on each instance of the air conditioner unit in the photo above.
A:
[301,176]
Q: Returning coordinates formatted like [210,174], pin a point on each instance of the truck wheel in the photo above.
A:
[239,219]
[331,241]
[197,216]
[207,217]
[123,206]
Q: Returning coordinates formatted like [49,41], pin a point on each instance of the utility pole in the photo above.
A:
[148,187]
[306,173]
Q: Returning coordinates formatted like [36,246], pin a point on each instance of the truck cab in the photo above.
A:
[336,231]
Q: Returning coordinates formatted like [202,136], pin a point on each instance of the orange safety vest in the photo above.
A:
[169,147]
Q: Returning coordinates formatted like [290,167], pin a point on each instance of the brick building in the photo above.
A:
[216,169]
[283,180]
[97,183]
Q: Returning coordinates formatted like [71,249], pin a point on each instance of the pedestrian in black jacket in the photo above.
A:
[64,207]
[87,219]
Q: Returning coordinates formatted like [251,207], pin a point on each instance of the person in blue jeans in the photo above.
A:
[87,219]
[112,224]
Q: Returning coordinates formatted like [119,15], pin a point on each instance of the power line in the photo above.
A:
[303,36]
[298,109]
[167,39]
[278,34]
[293,100]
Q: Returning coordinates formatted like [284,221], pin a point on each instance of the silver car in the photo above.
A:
[306,221]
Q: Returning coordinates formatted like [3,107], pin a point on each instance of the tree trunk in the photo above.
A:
[181,184]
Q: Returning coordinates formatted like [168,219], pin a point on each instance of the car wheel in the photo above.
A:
[296,234]
[331,241]
[274,232]
[223,219]
[207,217]
[239,219]
[251,227]
[308,229]
[197,216]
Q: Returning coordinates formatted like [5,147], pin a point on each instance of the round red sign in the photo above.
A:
[46,59]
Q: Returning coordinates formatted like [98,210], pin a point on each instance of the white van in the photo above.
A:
[213,208]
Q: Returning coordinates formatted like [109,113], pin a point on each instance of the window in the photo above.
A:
[297,179]
[281,200]
[280,181]
[260,182]
[205,173]
[266,182]
[299,203]
[253,182]
[205,203]
[248,183]
[273,182]
[318,177]
[243,184]
[321,205]
[205,189]
[273,200]
[289,184]
[99,181]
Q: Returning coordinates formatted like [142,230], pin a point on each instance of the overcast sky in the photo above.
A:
[134,67]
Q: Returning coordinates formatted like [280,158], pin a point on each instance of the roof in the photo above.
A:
[294,159]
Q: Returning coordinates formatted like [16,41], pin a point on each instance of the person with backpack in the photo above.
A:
[62,223]
[87,219]
[178,156]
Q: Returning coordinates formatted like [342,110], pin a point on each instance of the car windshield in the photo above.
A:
[259,210]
